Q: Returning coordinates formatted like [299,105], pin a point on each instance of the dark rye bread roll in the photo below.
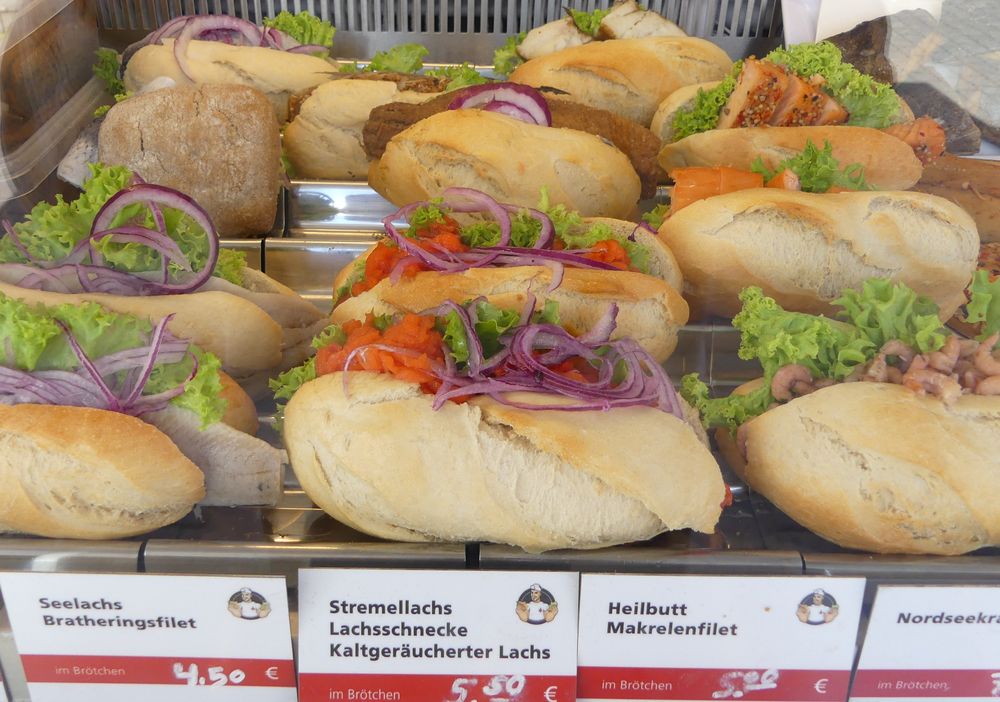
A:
[875,467]
[82,473]
[376,456]
[219,144]
[804,249]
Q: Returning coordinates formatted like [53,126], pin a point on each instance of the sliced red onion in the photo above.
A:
[601,332]
[558,270]
[470,200]
[113,402]
[524,98]
[199,25]
[509,109]
[308,49]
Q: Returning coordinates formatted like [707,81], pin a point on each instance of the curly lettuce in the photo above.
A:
[818,170]
[51,231]
[403,58]
[703,114]
[35,341]
[506,58]
[304,28]
[577,234]
[458,76]
[984,305]
[588,22]
[881,311]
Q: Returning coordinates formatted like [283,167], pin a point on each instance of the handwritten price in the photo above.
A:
[214,676]
[500,688]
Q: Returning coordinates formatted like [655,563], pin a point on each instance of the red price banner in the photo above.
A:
[436,688]
[150,670]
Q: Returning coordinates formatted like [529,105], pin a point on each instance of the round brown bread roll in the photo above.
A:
[507,159]
[627,76]
[889,162]
[83,473]
[804,249]
[377,457]
[875,467]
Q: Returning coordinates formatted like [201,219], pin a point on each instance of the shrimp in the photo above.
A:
[945,359]
[930,381]
[989,386]
[898,349]
[878,370]
[986,362]
[789,378]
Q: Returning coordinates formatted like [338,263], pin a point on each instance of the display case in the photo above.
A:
[49,97]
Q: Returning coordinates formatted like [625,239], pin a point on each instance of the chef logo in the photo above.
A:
[536,605]
[817,608]
[247,604]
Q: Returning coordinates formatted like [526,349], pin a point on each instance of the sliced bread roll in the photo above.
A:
[507,159]
[381,460]
[889,162]
[627,76]
[277,74]
[324,139]
[82,473]
[649,310]
[682,98]
[872,466]
[805,249]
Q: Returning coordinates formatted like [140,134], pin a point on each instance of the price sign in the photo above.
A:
[717,638]
[931,642]
[97,637]
[451,636]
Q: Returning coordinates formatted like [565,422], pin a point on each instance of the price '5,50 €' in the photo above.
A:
[499,688]
[214,676]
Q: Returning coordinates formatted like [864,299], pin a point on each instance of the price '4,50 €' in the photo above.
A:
[215,675]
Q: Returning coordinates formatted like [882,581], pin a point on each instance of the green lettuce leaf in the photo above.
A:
[549,314]
[729,412]
[37,343]
[455,337]
[491,323]
[524,231]
[404,58]
[356,275]
[883,311]
[304,28]
[868,102]
[655,217]
[588,22]
[818,171]
[985,304]
[703,114]
[431,213]
[506,58]
[106,69]
[288,383]
[459,76]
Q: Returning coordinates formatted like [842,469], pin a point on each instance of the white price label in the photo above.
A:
[715,638]
[931,642]
[452,636]
[101,636]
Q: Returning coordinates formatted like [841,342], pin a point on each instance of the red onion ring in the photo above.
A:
[524,98]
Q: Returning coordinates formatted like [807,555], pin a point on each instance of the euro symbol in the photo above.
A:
[550,693]
[272,672]
[821,685]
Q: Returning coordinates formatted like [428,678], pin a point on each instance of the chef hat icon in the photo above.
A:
[245,591]
[819,591]
[535,587]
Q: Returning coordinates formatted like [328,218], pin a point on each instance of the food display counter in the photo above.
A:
[321,228]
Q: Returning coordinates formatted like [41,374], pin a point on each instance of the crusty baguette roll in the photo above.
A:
[649,310]
[627,76]
[873,466]
[381,460]
[324,139]
[82,473]
[277,74]
[219,144]
[804,249]
[889,162]
[507,159]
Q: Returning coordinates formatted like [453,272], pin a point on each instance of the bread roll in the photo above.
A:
[507,159]
[324,139]
[627,76]
[805,249]
[219,144]
[682,98]
[277,74]
[888,162]
[381,460]
[971,183]
[649,310]
[872,466]
[82,473]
